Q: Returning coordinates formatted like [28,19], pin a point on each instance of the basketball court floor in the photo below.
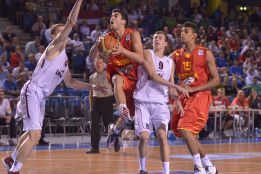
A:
[64,156]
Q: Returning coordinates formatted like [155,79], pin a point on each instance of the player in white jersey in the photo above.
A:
[151,109]
[50,71]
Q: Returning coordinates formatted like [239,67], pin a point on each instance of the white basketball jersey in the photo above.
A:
[48,74]
[148,90]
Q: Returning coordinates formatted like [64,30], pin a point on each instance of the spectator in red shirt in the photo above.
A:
[241,103]
[221,98]
[16,57]
[223,102]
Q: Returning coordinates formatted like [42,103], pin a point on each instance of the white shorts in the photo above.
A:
[150,114]
[31,107]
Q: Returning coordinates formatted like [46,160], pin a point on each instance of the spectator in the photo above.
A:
[6,117]
[250,77]
[8,35]
[3,74]
[213,47]
[31,63]
[77,45]
[170,37]
[4,62]
[16,57]
[20,69]
[223,102]
[230,89]
[10,87]
[221,60]
[240,103]
[22,78]
[96,33]
[39,26]
[254,102]
[85,30]
[236,69]
[39,54]
[32,46]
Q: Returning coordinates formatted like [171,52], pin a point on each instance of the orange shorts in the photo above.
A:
[195,117]
[128,88]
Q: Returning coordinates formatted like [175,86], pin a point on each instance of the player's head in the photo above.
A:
[160,40]
[99,64]
[188,32]
[118,19]
[56,29]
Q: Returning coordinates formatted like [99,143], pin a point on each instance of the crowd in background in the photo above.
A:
[235,39]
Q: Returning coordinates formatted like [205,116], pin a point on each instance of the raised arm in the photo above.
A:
[61,39]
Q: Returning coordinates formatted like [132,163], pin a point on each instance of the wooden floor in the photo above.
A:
[239,158]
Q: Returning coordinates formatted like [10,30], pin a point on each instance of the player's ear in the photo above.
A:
[195,35]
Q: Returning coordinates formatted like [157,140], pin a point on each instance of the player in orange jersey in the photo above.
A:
[197,72]
[122,70]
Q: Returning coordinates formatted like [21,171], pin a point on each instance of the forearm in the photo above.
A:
[74,13]
[75,84]
[133,56]
[173,94]
[71,21]
[209,85]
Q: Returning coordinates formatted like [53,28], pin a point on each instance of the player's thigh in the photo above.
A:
[160,116]
[142,118]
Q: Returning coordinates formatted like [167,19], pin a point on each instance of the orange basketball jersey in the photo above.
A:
[191,68]
[120,64]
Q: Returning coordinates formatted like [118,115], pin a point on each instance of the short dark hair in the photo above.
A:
[191,25]
[54,28]
[123,15]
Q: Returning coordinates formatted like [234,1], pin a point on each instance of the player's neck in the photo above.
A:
[189,47]
[119,33]
[159,53]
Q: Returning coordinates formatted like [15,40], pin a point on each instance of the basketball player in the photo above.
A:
[151,99]
[197,72]
[50,71]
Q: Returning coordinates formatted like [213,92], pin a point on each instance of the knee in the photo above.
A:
[162,135]
[144,137]
[35,136]
[184,133]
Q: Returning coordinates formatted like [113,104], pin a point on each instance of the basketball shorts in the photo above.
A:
[31,107]
[195,117]
[149,115]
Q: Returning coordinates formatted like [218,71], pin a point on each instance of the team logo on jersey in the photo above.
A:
[200,52]
[59,73]
[127,37]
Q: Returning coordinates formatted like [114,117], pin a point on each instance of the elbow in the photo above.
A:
[153,77]
[68,83]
